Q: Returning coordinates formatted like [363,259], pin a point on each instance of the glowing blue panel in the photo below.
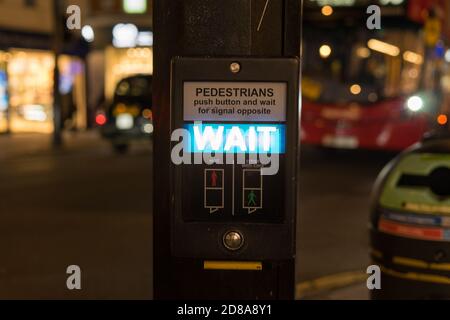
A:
[236,138]
[3,95]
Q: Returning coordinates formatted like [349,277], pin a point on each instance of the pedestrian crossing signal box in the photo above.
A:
[235,134]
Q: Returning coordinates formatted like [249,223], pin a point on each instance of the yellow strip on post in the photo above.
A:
[410,262]
[417,276]
[421,264]
[232,265]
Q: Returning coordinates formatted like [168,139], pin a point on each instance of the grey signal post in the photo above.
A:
[219,232]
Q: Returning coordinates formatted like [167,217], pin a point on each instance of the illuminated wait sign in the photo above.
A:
[236,138]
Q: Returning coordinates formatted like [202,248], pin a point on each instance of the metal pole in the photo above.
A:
[212,28]
[58,43]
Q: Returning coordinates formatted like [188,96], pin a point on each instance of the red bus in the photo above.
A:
[372,89]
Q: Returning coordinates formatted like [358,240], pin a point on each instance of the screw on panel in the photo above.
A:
[235,67]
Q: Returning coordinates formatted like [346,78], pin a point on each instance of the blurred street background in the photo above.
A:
[76,128]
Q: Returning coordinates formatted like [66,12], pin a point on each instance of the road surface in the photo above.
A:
[84,205]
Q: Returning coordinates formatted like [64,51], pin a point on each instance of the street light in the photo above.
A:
[88,33]
[135,6]
[415,103]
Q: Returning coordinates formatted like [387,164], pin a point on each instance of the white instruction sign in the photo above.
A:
[235,101]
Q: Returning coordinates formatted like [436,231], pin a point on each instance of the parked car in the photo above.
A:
[130,115]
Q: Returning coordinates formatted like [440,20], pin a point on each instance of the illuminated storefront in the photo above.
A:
[27,69]
[124,62]
[30,79]
[30,75]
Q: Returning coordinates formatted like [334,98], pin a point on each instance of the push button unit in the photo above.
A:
[233,240]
